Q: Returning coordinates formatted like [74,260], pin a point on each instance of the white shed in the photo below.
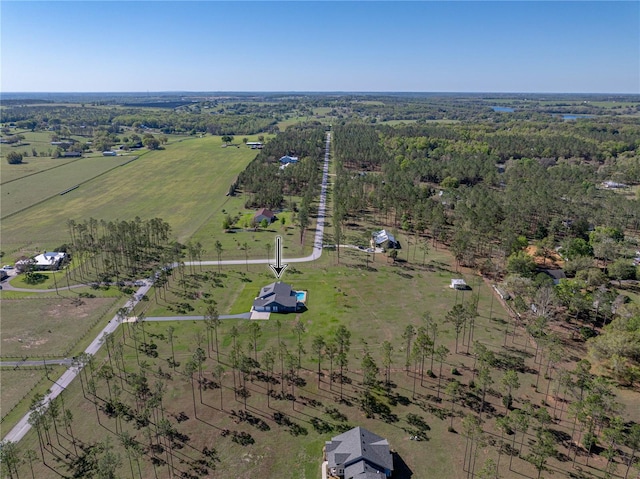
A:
[458,284]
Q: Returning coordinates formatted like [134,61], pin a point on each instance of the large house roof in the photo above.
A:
[278,292]
[49,258]
[360,452]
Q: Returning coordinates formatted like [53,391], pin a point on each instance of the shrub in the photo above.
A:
[14,158]
[587,333]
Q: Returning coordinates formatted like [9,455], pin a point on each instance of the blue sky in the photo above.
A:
[479,46]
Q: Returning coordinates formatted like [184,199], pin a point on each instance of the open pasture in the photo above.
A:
[16,384]
[17,387]
[49,327]
[181,184]
[31,166]
[30,190]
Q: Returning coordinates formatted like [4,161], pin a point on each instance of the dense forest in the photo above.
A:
[268,184]
[488,191]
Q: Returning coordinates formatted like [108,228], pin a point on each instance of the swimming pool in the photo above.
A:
[301,296]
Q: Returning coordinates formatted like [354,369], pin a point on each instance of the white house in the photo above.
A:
[44,261]
[48,260]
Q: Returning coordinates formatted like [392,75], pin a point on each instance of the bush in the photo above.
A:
[14,158]
[587,333]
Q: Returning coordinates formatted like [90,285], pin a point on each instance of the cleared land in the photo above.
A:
[375,300]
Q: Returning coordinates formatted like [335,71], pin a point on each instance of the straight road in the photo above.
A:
[23,426]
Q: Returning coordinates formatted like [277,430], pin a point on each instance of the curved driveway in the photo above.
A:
[60,385]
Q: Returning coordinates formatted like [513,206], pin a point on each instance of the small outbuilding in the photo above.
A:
[383,239]
[458,284]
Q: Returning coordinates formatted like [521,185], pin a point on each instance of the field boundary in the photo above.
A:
[43,171]
[66,190]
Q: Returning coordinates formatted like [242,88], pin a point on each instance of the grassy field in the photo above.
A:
[375,304]
[32,166]
[16,384]
[183,184]
[25,334]
[27,191]
[18,387]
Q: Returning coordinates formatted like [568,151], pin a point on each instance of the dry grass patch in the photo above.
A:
[48,327]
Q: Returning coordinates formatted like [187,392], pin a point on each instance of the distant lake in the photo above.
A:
[575,117]
[502,108]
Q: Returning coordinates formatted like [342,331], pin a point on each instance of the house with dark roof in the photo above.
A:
[358,454]
[264,214]
[279,297]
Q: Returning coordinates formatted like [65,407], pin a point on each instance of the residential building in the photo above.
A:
[264,214]
[358,454]
[279,297]
[383,239]
[289,159]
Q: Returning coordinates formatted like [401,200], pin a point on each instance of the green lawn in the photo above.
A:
[18,386]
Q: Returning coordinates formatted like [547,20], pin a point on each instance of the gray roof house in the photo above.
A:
[277,297]
[359,454]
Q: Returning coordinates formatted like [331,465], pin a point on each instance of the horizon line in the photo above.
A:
[448,92]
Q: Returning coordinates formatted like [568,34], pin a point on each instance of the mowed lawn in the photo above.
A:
[182,184]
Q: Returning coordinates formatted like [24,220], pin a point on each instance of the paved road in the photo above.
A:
[23,426]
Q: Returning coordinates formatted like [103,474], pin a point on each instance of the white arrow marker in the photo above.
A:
[278,268]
